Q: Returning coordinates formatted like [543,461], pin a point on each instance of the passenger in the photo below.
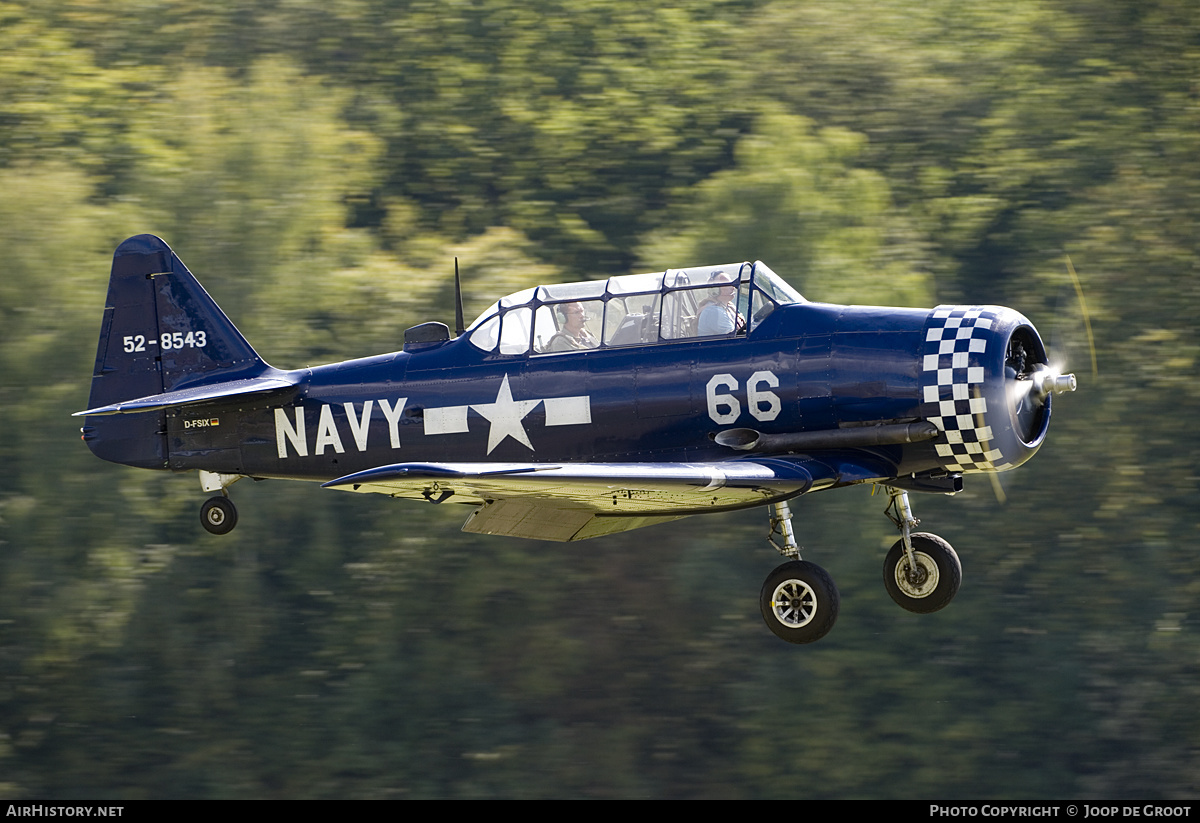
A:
[573,335]
[719,314]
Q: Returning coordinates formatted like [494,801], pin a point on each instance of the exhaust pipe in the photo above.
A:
[890,434]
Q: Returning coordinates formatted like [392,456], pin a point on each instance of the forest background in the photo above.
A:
[319,163]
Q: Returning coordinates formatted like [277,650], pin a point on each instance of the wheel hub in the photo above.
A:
[917,582]
[916,577]
[794,603]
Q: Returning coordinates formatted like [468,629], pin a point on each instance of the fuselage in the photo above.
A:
[688,365]
[806,367]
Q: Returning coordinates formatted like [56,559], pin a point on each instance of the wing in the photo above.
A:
[576,501]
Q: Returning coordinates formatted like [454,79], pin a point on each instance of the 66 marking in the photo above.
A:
[168,341]
[763,404]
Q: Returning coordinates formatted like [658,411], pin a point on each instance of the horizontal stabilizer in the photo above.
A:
[197,394]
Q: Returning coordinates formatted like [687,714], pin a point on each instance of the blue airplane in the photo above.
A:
[577,410]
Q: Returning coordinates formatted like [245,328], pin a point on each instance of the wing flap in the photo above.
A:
[534,521]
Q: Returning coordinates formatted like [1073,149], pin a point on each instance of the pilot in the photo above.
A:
[573,335]
[719,314]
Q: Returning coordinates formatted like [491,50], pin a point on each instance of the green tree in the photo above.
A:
[800,199]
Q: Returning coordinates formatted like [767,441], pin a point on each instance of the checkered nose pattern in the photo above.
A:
[962,386]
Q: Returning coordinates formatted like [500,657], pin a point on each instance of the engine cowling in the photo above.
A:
[987,384]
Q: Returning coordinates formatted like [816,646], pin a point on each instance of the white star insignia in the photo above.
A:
[506,415]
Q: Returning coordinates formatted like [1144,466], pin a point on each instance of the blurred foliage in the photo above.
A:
[320,164]
[802,198]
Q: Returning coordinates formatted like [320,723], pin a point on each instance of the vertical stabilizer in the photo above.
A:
[161,332]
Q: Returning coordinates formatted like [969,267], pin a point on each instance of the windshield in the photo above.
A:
[775,286]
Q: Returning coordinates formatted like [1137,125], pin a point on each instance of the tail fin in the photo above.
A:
[161,330]
[161,334]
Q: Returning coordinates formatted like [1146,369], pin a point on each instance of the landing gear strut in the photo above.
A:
[922,572]
[798,601]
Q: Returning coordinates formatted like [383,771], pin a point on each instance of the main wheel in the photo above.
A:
[219,515]
[799,602]
[934,581]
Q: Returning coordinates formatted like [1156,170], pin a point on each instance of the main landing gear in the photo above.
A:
[799,601]
[218,515]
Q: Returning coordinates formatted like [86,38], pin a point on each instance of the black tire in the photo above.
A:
[799,602]
[937,580]
[218,515]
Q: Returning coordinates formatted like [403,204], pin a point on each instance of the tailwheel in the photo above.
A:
[218,515]
[799,602]
[927,584]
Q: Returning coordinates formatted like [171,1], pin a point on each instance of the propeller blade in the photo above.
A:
[1087,321]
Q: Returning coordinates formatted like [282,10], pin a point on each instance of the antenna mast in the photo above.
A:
[458,306]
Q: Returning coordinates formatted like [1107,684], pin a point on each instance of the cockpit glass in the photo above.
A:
[490,311]
[631,319]
[518,298]
[485,334]
[589,290]
[775,286]
[569,326]
[703,303]
[636,309]
[515,329]
[632,283]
